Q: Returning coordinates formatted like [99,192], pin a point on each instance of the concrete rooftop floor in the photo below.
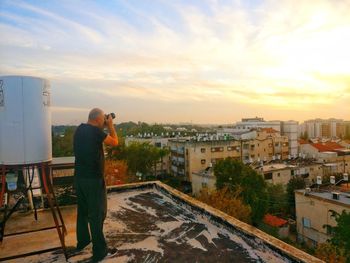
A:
[145,225]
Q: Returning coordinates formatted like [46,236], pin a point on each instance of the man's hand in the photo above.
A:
[112,138]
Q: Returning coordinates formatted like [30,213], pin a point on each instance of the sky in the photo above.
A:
[170,61]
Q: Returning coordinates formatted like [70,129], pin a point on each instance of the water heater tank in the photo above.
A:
[25,120]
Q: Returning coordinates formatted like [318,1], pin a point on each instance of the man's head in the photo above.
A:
[97,118]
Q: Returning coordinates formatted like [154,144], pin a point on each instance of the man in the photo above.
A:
[89,180]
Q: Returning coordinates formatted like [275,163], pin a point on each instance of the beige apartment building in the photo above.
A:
[313,212]
[188,156]
[194,155]
[268,145]
[203,179]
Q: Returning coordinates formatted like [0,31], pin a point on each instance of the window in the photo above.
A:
[204,185]
[306,222]
[277,144]
[279,174]
[203,161]
[268,176]
[202,150]
[230,148]
[217,149]
[245,146]
[158,144]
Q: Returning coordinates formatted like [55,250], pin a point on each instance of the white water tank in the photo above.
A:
[25,120]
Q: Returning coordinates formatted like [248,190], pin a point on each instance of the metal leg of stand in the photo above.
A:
[48,194]
[3,185]
[57,206]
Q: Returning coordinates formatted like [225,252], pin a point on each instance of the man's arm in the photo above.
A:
[112,138]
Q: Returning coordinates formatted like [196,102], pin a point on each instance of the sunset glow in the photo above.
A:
[180,61]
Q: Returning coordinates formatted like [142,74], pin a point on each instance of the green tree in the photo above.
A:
[277,197]
[340,233]
[294,184]
[62,144]
[235,175]
[140,157]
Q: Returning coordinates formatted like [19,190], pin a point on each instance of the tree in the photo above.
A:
[227,201]
[62,144]
[294,184]
[140,157]
[329,253]
[277,199]
[235,175]
[340,233]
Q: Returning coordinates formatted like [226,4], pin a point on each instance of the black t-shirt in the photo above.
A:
[88,151]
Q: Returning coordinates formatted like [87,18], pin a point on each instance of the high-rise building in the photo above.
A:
[325,128]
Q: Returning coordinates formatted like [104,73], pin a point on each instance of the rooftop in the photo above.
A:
[327,146]
[344,198]
[151,222]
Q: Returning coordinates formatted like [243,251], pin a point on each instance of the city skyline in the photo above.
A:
[203,62]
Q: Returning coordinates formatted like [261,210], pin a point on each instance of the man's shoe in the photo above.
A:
[111,252]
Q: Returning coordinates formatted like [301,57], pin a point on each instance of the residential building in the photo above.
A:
[286,128]
[333,156]
[277,173]
[325,128]
[190,155]
[313,212]
[203,180]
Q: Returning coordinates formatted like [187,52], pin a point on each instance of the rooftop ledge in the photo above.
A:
[153,222]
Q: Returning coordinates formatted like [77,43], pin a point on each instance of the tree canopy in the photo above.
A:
[235,175]
[294,184]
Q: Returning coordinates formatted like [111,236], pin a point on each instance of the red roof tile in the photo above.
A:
[274,220]
[302,141]
[269,130]
[327,146]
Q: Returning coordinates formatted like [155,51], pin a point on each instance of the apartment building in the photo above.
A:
[203,180]
[313,213]
[193,155]
[334,157]
[285,128]
[325,128]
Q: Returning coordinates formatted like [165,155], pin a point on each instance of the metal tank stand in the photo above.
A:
[52,201]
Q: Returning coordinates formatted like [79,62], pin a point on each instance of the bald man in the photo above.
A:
[89,180]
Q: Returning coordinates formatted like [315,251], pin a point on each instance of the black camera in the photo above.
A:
[107,116]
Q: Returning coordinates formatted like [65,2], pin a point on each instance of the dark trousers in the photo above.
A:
[92,209]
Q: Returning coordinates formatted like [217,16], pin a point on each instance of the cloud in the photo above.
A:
[282,54]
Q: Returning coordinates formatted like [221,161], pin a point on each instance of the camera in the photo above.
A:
[112,114]
[107,116]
